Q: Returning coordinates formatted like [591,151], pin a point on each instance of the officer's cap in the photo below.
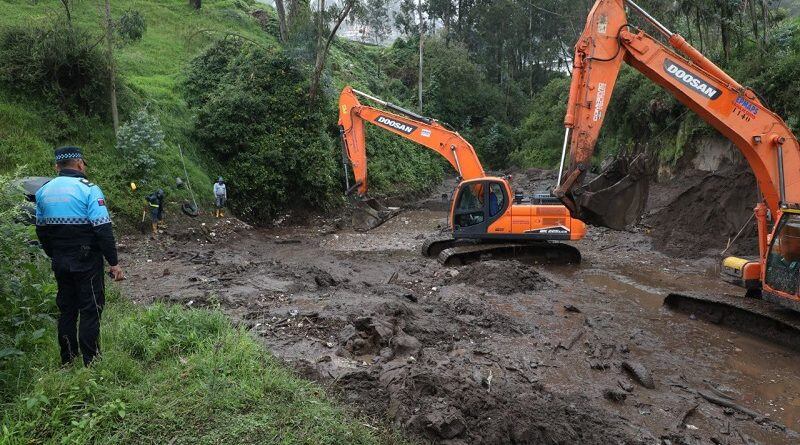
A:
[69,152]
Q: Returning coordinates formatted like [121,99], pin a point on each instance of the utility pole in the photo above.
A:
[421,49]
[112,72]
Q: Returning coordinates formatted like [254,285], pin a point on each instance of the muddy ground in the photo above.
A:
[493,352]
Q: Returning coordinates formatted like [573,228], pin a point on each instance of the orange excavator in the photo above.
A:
[487,219]
[736,111]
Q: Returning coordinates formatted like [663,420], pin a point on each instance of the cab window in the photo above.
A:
[496,200]
[783,261]
[469,209]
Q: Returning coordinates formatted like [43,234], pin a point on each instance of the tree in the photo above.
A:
[284,28]
[325,38]
[374,14]
[112,71]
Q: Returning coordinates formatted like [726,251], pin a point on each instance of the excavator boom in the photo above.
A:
[407,124]
[608,40]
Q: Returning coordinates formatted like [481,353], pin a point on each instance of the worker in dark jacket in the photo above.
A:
[156,203]
[74,229]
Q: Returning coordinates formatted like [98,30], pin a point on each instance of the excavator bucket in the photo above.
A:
[617,197]
[369,214]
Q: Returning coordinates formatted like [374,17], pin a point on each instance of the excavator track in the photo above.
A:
[751,315]
[435,245]
[540,252]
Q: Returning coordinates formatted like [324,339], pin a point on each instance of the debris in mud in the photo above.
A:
[640,373]
[570,342]
[615,395]
[625,385]
[324,279]
[571,308]
[445,422]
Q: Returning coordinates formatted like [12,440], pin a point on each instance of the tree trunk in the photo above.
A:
[322,53]
[765,25]
[421,50]
[284,28]
[68,12]
[112,74]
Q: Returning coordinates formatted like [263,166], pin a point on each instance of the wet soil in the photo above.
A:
[489,353]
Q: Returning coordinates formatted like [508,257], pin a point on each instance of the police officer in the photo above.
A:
[74,228]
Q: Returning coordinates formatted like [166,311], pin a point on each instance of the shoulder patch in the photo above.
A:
[101,202]
[86,182]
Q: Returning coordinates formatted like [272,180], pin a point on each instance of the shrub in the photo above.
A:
[274,144]
[58,62]
[131,25]
[26,290]
[138,142]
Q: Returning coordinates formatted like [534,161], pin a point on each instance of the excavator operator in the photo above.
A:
[783,264]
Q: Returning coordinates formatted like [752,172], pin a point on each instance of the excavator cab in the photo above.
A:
[782,273]
[477,204]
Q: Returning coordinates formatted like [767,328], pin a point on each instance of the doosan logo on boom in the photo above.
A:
[691,80]
[401,126]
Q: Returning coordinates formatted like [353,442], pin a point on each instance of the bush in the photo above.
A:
[139,141]
[26,291]
[541,134]
[273,143]
[62,64]
[131,25]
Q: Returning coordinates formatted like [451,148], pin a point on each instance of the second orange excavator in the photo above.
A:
[767,143]
[487,219]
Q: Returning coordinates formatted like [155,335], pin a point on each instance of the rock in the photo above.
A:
[445,423]
[324,279]
[405,344]
[410,297]
[615,395]
[625,385]
[571,308]
[639,372]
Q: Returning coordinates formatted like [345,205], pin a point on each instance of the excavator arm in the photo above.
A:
[764,139]
[404,123]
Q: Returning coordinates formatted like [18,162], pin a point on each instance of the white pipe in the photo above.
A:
[563,156]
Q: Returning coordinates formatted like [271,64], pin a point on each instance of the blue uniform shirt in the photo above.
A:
[71,216]
[71,200]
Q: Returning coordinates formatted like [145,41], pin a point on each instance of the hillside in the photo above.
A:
[151,73]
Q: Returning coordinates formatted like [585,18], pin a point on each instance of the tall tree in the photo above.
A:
[112,71]
[284,28]
[325,38]
[374,14]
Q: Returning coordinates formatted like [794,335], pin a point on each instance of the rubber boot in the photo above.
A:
[222,214]
[155,229]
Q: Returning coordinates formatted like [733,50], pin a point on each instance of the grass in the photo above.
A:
[171,375]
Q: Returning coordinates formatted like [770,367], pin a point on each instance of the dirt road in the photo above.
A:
[493,352]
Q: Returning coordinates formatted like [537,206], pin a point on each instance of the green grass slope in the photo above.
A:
[170,375]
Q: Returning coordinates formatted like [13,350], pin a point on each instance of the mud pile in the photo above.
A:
[502,277]
[697,213]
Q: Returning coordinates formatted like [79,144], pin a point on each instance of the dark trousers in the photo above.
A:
[80,296]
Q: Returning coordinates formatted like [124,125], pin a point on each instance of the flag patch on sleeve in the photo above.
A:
[101,201]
